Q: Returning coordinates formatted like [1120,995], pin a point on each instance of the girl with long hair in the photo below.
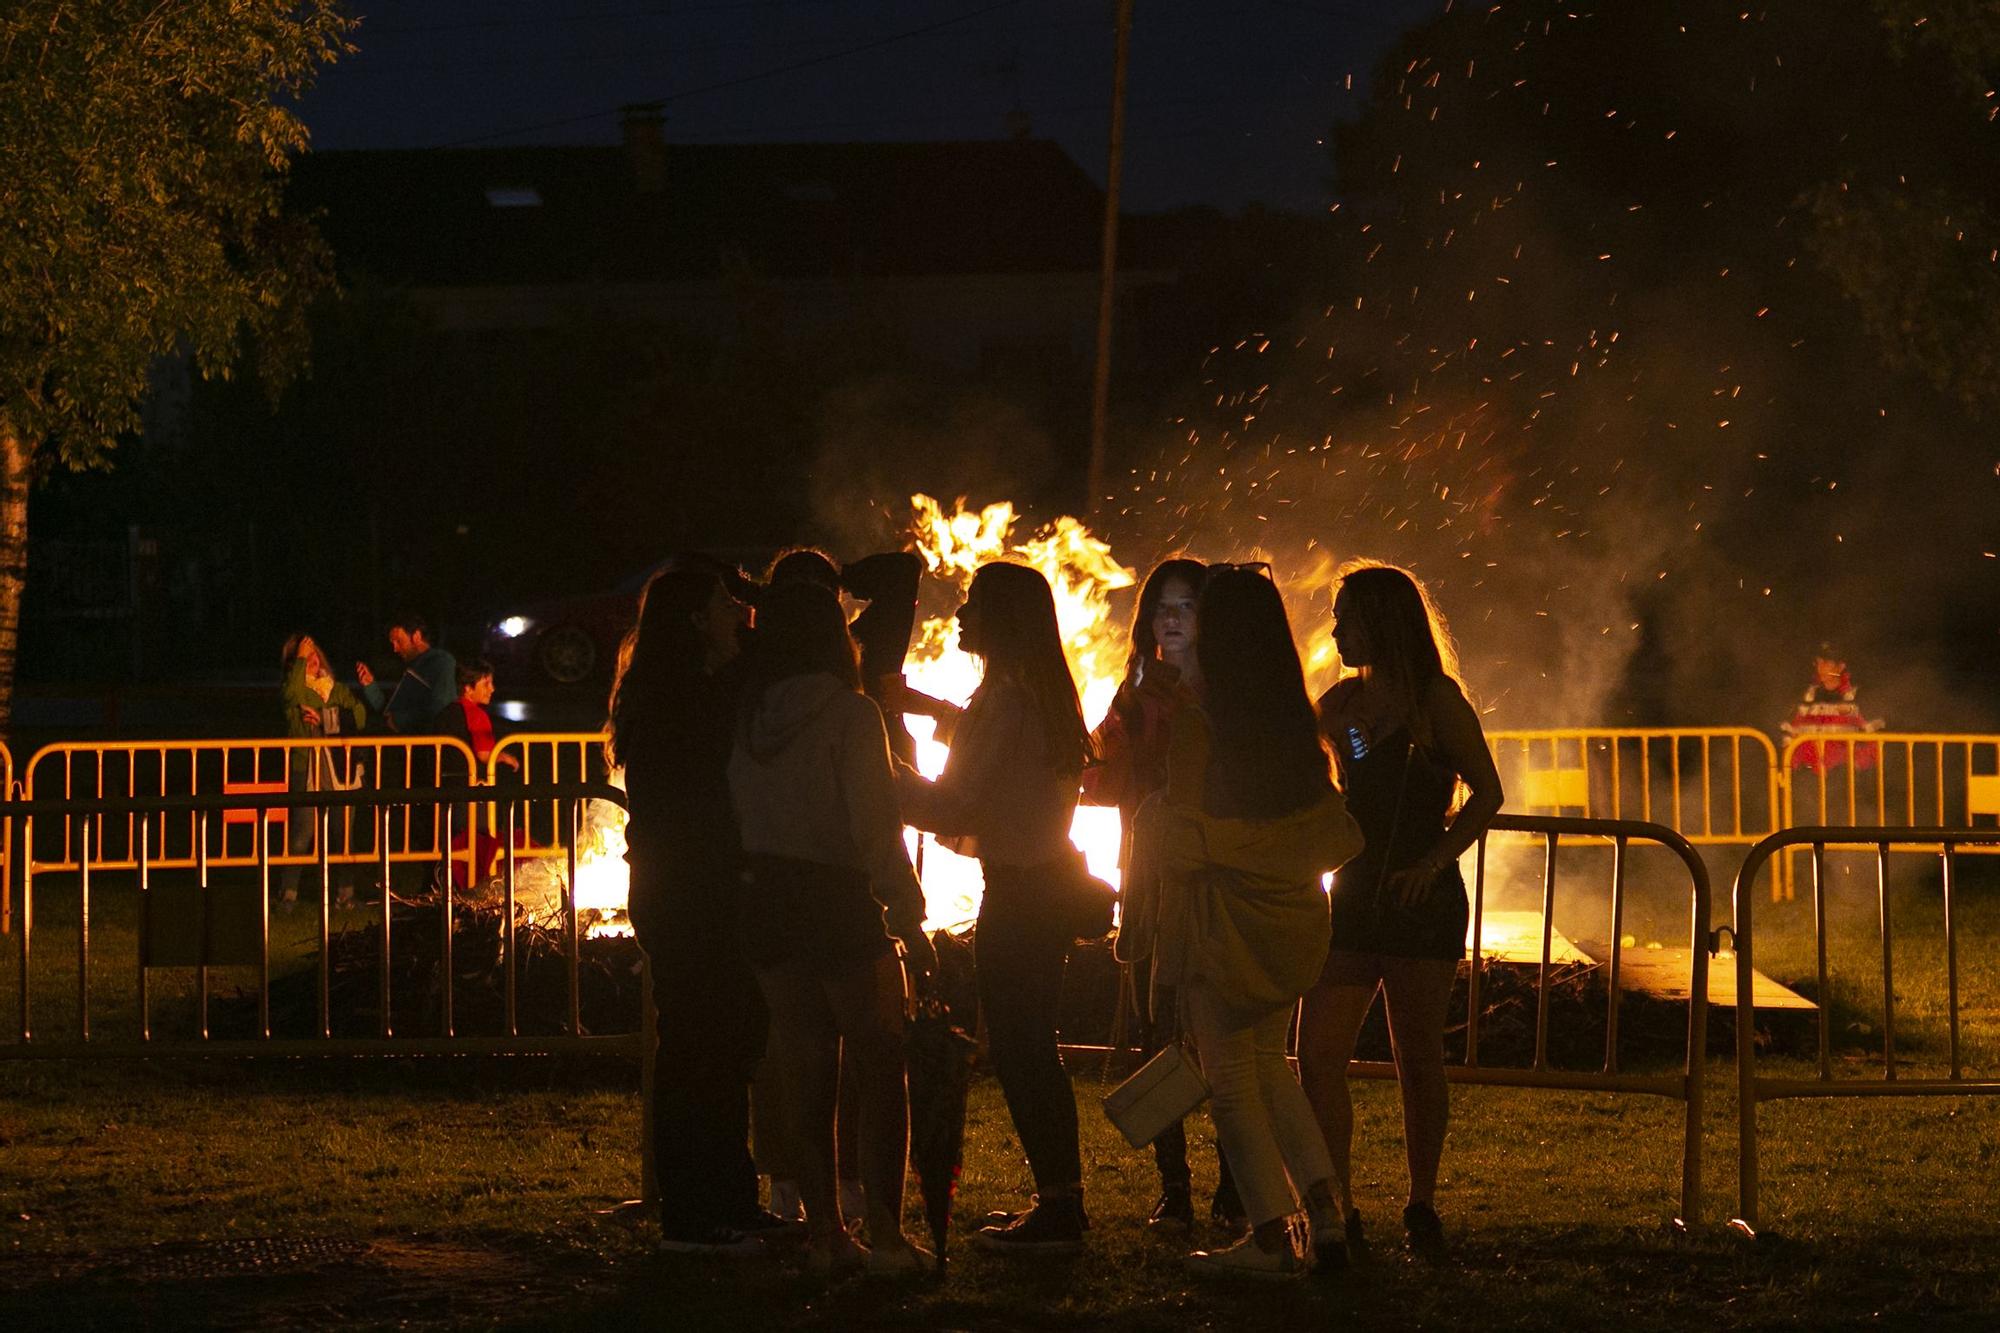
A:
[1405,738]
[1007,795]
[673,709]
[815,797]
[315,704]
[1131,769]
[1250,823]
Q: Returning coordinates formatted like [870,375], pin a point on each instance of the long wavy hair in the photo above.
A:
[801,631]
[662,657]
[1412,645]
[1265,755]
[1144,646]
[1020,642]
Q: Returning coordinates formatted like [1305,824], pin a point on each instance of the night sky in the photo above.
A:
[1229,104]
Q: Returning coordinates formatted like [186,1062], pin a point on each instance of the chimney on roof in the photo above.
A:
[643,127]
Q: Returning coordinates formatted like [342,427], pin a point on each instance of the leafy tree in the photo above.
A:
[142,150]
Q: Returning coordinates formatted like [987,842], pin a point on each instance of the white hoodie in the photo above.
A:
[811,780]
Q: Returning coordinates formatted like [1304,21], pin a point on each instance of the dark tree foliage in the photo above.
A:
[142,149]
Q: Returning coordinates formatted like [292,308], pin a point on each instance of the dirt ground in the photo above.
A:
[270,1283]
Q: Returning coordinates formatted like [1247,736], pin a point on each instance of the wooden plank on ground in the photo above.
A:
[1663,972]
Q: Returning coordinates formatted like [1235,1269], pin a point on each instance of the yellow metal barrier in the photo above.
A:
[1712,785]
[1894,779]
[1891,779]
[129,770]
[539,759]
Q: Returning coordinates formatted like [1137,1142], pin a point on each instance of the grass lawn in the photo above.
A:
[445,1192]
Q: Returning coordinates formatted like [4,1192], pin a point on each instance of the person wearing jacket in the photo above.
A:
[429,682]
[673,710]
[1131,744]
[1007,796]
[828,892]
[1250,823]
[314,705]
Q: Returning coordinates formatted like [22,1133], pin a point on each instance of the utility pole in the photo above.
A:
[1107,279]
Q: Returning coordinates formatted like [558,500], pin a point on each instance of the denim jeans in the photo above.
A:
[1266,1124]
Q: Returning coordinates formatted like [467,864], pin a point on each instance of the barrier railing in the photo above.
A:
[132,771]
[6,845]
[1892,779]
[538,758]
[206,925]
[1753,1088]
[1683,1085]
[1711,785]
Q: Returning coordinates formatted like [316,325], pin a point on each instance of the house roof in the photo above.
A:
[506,216]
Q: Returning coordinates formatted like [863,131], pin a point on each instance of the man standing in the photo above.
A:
[429,683]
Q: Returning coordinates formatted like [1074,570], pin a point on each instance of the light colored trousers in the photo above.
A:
[1274,1144]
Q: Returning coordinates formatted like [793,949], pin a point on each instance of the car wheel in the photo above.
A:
[567,654]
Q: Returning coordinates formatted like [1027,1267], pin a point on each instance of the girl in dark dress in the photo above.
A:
[1404,738]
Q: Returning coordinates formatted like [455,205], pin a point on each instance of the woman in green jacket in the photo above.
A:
[314,704]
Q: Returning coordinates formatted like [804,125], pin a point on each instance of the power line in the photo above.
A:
[807,63]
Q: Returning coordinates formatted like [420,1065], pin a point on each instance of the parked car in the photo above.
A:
[573,641]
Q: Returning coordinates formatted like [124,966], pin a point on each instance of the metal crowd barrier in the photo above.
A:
[1752,1087]
[121,774]
[539,758]
[6,844]
[1712,785]
[214,937]
[1892,779]
[1685,1084]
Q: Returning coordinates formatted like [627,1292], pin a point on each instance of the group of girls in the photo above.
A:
[771,889]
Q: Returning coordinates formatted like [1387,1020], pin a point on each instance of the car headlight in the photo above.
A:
[513,627]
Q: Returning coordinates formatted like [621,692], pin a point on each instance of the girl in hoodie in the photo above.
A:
[1405,738]
[815,799]
[1251,821]
[1007,795]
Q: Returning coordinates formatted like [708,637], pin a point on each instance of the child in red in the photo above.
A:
[466,719]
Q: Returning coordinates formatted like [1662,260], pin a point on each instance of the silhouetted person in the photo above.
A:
[1404,737]
[673,708]
[1007,796]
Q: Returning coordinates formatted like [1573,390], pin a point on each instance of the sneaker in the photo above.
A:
[1425,1233]
[768,1226]
[722,1242]
[786,1201]
[837,1257]
[1174,1211]
[902,1258]
[1247,1259]
[1328,1237]
[1052,1226]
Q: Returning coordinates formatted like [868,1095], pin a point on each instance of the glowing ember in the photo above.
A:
[1083,575]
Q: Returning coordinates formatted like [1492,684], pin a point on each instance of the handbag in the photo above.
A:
[1162,1092]
[1166,1089]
